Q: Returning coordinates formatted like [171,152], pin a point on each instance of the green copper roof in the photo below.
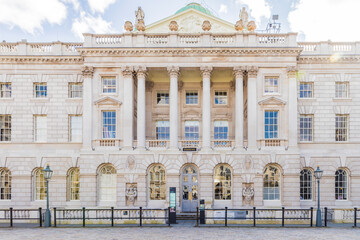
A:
[196,6]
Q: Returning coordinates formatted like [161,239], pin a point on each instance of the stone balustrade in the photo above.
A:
[329,48]
[24,48]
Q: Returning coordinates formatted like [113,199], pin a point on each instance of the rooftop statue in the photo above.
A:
[244,16]
[140,15]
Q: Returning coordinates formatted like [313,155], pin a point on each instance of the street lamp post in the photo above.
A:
[47,175]
[318,174]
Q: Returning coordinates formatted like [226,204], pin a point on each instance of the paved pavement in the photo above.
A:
[179,231]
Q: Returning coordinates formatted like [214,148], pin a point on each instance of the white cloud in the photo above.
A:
[326,19]
[257,8]
[90,24]
[100,5]
[223,8]
[30,15]
[75,3]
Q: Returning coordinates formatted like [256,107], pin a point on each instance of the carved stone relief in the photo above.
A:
[131,194]
[248,194]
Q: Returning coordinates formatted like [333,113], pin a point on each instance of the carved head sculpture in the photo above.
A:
[128,26]
[173,26]
[251,26]
[206,26]
[239,26]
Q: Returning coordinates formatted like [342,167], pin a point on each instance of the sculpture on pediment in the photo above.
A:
[206,26]
[131,193]
[251,26]
[139,22]
[128,26]
[173,26]
[244,16]
[248,194]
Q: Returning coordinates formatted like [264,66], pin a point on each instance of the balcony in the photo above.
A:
[222,144]
[157,144]
[111,144]
[272,143]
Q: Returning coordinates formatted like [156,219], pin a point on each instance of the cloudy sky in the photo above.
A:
[66,20]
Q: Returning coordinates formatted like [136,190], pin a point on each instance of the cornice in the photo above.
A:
[42,59]
[188,51]
[329,59]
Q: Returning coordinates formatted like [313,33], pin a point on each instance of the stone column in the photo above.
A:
[292,107]
[239,107]
[174,74]
[206,107]
[128,107]
[87,117]
[252,106]
[141,114]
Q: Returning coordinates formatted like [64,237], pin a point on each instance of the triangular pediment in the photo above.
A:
[191,113]
[272,101]
[107,101]
[190,21]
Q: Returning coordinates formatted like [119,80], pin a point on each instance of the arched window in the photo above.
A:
[341,185]
[271,183]
[5,184]
[222,182]
[306,183]
[157,182]
[39,184]
[73,184]
[107,183]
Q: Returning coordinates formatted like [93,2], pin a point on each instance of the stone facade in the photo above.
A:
[143,65]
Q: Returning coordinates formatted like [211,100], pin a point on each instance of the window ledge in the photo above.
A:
[342,99]
[307,99]
[7,99]
[73,100]
[39,99]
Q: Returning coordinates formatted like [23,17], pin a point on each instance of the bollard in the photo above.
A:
[83,216]
[254,216]
[226,216]
[197,216]
[11,217]
[40,217]
[112,216]
[311,216]
[169,216]
[282,216]
[54,216]
[355,217]
[140,216]
[325,216]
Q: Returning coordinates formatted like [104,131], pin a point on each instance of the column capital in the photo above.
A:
[141,71]
[87,71]
[174,71]
[239,71]
[206,71]
[127,71]
[252,71]
[291,71]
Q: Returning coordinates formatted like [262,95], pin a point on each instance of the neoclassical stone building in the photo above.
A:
[212,108]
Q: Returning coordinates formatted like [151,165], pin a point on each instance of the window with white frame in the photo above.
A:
[109,84]
[5,90]
[271,183]
[40,128]
[40,90]
[5,184]
[5,128]
[73,184]
[306,128]
[162,130]
[341,89]
[192,130]
[341,185]
[162,98]
[306,183]
[39,184]
[75,90]
[107,183]
[109,124]
[157,182]
[306,90]
[221,130]
[192,97]
[341,127]
[271,124]
[75,128]
[220,97]
[222,182]
[271,85]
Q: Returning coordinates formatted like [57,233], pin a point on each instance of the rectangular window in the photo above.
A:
[341,90]
[75,128]
[162,98]
[271,124]
[40,90]
[220,98]
[221,130]
[192,130]
[192,97]
[306,128]
[75,90]
[5,128]
[306,90]
[109,124]
[162,130]
[40,128]
[5,90]
[341,128]
[109,85]
[271,84]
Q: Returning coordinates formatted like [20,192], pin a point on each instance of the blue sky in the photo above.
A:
[65,20]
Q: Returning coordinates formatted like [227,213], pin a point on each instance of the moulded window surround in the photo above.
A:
[107,183]
[341,127]
[192,97]
[40,90]
[39,184]
[5,128]
[157,182]
[162,98]
[306,90]
[75,90]
[162,130]
[221,98]
[341,185]
[271,84]
[40,128]
[75,127]
[271,187]
[341,90]
[108,84]
[222,182]
[5,184]
[73,184]
[306,127]
[5,90]
[306,184]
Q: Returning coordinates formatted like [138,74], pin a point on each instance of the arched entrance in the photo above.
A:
[189,188]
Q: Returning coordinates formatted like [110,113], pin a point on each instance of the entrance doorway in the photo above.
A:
[190,189]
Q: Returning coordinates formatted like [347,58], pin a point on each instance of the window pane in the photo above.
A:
[75,90]
[191,97]
[191,130]
[75,128]
[271,85]
[157,183]
[109,124]
[341,185]
[5,128]
[271,124]
[5,89]
[163,130]
[40,90]
[220,97]
[222,183]
[306,184]
[109,85]
[341,128]
[306,90]
[271,180]
[162,98]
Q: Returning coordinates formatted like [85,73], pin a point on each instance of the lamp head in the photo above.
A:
[48,173]
[318,173]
